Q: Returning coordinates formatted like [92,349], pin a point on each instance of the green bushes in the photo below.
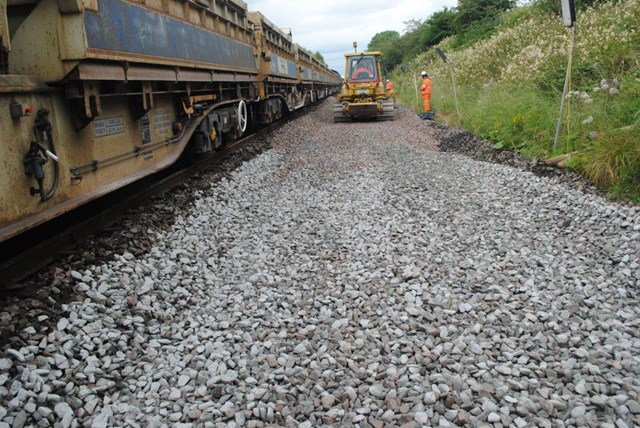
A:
[474,33]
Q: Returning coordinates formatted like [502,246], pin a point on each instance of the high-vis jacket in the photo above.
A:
[426,93]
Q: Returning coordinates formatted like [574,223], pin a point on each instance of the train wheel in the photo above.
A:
[242,116]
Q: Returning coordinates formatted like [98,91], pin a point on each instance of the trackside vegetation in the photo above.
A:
[509,78]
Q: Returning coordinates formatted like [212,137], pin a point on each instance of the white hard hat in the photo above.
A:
[424,73]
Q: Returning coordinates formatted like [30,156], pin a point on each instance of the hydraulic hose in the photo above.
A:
[44,136]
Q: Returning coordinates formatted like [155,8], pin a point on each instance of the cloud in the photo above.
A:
[331,26]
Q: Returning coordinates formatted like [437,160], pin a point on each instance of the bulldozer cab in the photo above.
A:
[362,68]
[363,94]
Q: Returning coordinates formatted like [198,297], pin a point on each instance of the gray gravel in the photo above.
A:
[353,275]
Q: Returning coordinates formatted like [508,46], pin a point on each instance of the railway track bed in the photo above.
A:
[385,283]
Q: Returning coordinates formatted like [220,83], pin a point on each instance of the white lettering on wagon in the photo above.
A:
[161,122]
[108,126]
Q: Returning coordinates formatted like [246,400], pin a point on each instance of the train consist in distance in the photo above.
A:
[95,95]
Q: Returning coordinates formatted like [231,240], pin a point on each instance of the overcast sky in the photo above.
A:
[331,26]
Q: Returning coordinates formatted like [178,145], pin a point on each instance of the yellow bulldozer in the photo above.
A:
[363,94]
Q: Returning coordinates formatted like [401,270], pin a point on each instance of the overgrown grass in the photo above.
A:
[513,118]
[510,87]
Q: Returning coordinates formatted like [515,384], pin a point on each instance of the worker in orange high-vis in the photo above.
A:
[389,85]
[426,91]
